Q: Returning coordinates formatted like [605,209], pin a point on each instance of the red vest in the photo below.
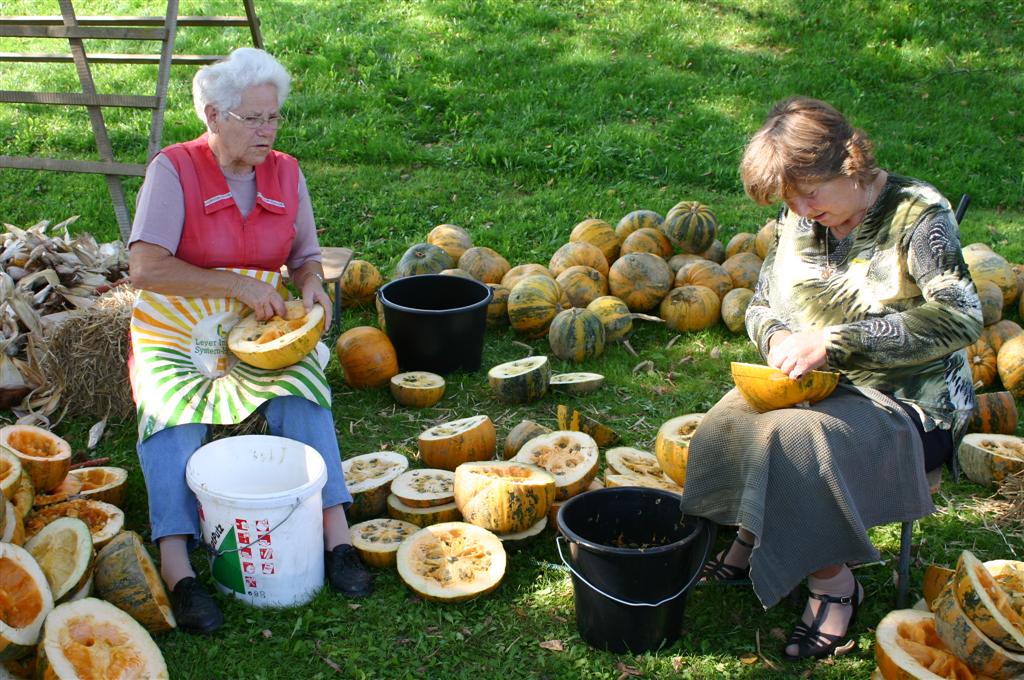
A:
[214,233]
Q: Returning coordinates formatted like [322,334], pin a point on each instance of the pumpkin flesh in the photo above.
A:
[451,562]
[450,444]
[278,342]
[503,496]
[572,458]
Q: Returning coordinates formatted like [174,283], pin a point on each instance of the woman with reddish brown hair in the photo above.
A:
[864,277]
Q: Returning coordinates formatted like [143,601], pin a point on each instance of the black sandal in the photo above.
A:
[810,641]
[717,571]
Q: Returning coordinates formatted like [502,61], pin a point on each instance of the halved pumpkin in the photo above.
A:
[10,473]
[766,388]
[102,483]
[63,550]
[571,457]
[577,383]
[503,496]
[990,458]
[368,478]
[969,644]
[64,491]
[45,456]
[987,604]
[935,579]
[280,341]
[520,434]
[625,460]
[417,389]
[672,445]
[25,601]
[422,517]
[377,540]
[105,520]
[91,638]
[520,381]
[425,487]
[907,647]
[450,444]
[126,577]
[451,562]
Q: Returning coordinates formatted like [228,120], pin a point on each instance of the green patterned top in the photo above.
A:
[895,296]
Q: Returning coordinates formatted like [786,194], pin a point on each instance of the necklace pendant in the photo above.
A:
[827,271]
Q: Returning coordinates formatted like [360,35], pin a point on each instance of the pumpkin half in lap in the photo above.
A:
[766,388]
[278,342]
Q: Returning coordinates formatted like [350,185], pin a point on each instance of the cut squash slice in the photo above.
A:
[766,388]
[102,483]
[66,490]
[612,480]
[377,540]
[368,477]
[503,496]
[907,647]
[45,456]
[969,644]
[571,457]
[520,381]
[577,383]
[126,576]
[520,434]
[10,473]
[528,533]
[451,562]
[672,445]
[417,389]
[625,460]
[105,520]
[988,459]
[90,638]
[987,604]
[63,550]
[424,487]
[24,494]
[448,445]
[423,517]
[13,528]
[25,601]
[278,342]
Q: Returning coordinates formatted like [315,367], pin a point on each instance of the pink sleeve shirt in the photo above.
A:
[160,211]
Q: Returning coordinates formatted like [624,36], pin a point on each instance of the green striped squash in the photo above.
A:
[598,233]
[582,284]
[969,644]
[744,268]
[690,308]
[991,301]
[734,308]
[743,242]
[690,226]
[520,381]
[484,264]
[521,271]
[705,273]
[359,284]
[994,413]
[451,238]
[647,240]
[987,604]
[497,308]
[423,258]
[578,252]
[1010,363]
[640,280]
[990,266]
[532,304]
[576,335]
[715,252]
[615,317]
[638,219]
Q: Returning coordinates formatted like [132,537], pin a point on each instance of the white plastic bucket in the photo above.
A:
[260,509]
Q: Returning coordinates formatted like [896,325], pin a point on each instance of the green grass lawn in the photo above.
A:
[516,121]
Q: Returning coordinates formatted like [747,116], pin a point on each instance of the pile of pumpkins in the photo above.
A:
[971,625]
[445,526]
[81,594]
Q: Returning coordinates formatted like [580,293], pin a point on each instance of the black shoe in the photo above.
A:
[346,573]
[194,608]
[811,642]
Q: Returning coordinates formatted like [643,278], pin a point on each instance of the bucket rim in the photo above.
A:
[299,493]
[390,304]
[630,552]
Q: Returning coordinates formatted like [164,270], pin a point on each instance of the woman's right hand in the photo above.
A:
[795,354]
[262,298]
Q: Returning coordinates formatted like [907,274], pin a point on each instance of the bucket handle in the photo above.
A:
[215,553]
[696,575]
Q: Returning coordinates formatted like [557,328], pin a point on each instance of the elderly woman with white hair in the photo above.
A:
[216,219]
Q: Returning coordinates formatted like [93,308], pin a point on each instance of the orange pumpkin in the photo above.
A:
[991,301]
[999,332]
[497,308]
[1010,363]
[452,239]
[679,260]
[647,240]
[734,308]
[983,363]
[715,252]
[582,285]
[533,303]
[743,242]
[638,219]
[640,280]
[578,252]
[367,357]
[614,315]
[765,239]
[359,283]
[690,308]
[705,273]
[448,445]
[521,271]
[744,269]
[598,233]
[994,413]
[484,264]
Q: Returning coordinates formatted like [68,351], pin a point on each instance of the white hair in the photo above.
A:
[223,83]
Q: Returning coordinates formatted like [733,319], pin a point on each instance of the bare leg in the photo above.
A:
[336,531]
[174,564]
[835,581]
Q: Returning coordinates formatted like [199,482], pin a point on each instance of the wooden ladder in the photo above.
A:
[76,30]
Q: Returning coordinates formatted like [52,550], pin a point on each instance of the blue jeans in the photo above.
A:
[173,509]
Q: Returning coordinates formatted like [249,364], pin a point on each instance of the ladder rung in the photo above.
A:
[109,58]
[78,99]
[104,33]
[123,21]
[72,165]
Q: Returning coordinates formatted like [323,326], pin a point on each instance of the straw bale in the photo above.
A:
[1012,488]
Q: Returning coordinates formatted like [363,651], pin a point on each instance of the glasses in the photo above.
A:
[274,120]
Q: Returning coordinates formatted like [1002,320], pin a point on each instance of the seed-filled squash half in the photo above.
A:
[448,445]
[368,478]
[63,550]
[102,483]
[377,540]
[990,458]
[451,562]
[278,342]
[907,646]
[425,487]
[672,445]
[25,601]
[969,644]
[571,457]
[503,496]
[91,638]
[988,604]
[45,456]
[10,473]
[766,388]
[641,466]
[104,520]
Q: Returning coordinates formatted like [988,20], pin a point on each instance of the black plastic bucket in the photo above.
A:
[436,322]
[634,557]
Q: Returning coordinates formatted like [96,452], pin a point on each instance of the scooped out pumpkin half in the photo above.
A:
[280,341]
[766,388]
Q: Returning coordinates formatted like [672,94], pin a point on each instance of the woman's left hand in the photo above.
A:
[798,353]
[313,293]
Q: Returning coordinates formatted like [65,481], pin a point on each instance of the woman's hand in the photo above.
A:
[312,294]
[795,354]
[262,298]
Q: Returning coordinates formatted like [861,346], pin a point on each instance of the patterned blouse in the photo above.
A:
[895,296]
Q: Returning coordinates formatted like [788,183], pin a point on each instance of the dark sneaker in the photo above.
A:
[194,607]
[346,573]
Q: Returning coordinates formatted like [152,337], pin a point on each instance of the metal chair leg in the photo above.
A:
[903,570]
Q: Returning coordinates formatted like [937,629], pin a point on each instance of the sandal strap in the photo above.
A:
[743,543]
[718,570]
[831,599]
